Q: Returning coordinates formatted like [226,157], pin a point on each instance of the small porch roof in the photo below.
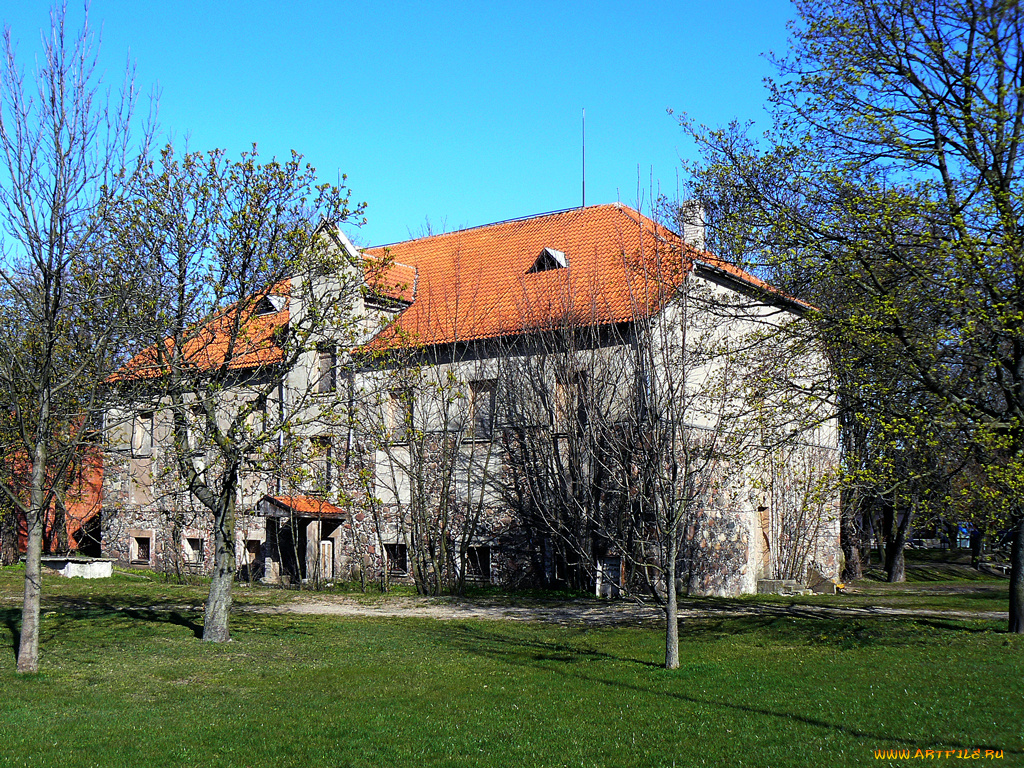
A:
[302,506]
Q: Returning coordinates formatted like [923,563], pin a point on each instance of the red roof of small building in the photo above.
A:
[306,505]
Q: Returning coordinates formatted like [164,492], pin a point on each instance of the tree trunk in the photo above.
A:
[895,563]
[28,647]
[8,536]
[218,604]
[977,547]
[1017,578]
[671,605]
[850,542]
[867,536]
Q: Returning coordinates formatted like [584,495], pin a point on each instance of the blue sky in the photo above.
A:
[460,113]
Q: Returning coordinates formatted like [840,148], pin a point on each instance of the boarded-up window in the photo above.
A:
[482,393]
[326,368]
[142,437]
[400,414]
[323,460]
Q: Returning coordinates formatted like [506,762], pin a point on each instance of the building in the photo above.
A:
[71,523]
[544,400]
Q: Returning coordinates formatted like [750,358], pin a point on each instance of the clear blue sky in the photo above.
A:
[463,112]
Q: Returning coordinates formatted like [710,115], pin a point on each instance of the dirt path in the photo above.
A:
[593,613]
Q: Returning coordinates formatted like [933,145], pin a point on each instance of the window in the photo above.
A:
[478,563]
[327,363]
[397,559]
[142,437]
[195,551]
[142,550]
[400,414]
[323,458]
[571,399]
[270,305]
[256,426]
[549,259]
[197,430]
[482,394]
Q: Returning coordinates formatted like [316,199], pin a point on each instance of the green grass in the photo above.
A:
[127,685]
[936,596]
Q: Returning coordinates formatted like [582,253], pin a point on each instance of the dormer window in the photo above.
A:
[270,305]
[549,259]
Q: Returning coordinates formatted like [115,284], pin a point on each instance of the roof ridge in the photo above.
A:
[557,212]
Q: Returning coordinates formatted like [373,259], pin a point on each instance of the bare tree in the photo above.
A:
[566,396]
[433,436]
[646,440]
[66,156]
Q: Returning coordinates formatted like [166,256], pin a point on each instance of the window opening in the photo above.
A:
[398,559]
[144,432]
[483,393]
[400,414]
[478,563]
[143,550]
[270,305]
[327,378]
[549,259]
[194,550]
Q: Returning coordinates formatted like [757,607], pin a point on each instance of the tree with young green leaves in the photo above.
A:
[891,182]
[249,278]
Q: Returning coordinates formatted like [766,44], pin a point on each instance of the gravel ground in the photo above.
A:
[592,613]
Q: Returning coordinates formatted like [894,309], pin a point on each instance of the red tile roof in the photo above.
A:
[215,343]
[390,279]
[476,283]
[306,505]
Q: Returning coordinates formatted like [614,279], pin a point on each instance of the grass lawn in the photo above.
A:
[127,685]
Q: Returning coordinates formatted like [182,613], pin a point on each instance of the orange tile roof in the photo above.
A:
[215,344]
[390,279]
[476,284]
[306,505]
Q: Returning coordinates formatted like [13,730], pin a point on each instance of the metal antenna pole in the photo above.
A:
[584,203]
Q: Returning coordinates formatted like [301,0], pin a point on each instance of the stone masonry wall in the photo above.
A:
[716,551]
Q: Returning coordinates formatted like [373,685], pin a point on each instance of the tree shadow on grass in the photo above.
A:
[12,620]
[478,640]
[140,610]
[561,659]
[167,617]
